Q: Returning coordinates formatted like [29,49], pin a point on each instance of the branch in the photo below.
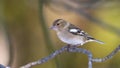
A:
[73,49]
[2,66]
[84,51]
[43,60]
[108,56]
[70,49]
[57,52]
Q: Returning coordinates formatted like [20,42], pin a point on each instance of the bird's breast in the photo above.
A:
[69,38]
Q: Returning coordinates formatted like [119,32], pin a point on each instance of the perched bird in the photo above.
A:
[70,34]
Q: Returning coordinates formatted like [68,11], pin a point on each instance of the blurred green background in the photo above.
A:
[25,35]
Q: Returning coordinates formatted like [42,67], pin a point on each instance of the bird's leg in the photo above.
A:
[69,46]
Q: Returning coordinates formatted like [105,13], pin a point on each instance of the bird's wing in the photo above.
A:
[77,31]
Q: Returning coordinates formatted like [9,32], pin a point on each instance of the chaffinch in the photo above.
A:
[70,34]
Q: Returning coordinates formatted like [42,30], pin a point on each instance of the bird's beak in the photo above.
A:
[53,28]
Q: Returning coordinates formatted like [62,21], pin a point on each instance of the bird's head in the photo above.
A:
[59,25]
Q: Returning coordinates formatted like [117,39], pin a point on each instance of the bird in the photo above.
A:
[71,34]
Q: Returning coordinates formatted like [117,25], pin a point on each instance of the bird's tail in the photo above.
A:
[98,41]
[94,40]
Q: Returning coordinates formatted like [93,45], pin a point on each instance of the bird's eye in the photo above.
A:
[58,24]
